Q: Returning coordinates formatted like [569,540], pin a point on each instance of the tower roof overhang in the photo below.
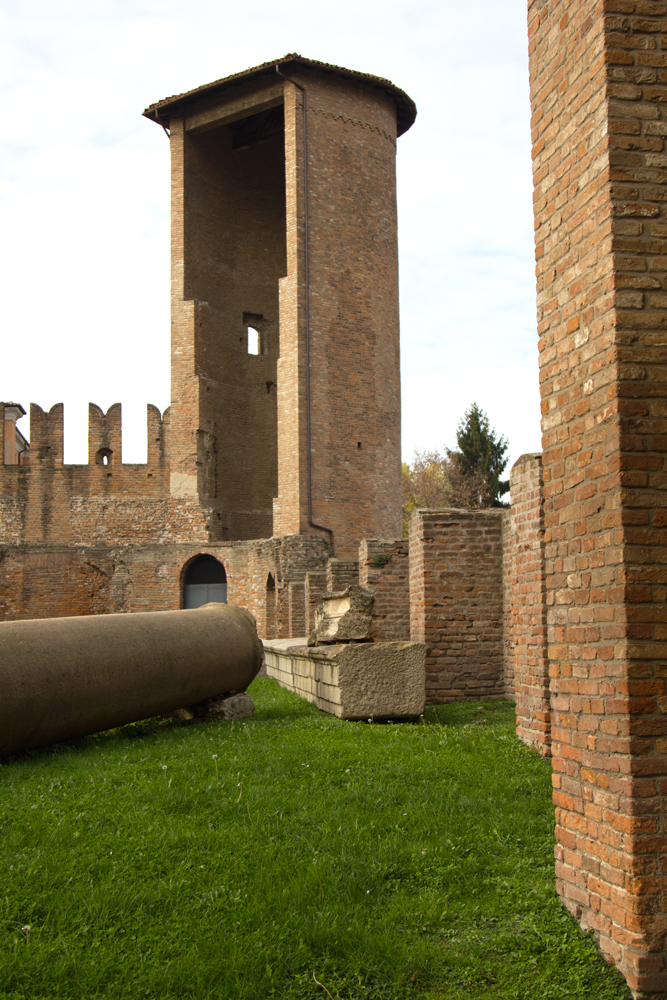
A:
[160,111]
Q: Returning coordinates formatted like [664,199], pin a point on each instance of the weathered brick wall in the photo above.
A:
[51,503]
[525,634]
[240,423]
[341,573]
[51,581]
[456,601]
[385,567]
[228,253]
[297,609]
[100,538]
[316,585]
[599,85]
[355,388]
[509,570]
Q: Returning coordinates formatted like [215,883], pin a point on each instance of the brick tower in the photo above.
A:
[285,329]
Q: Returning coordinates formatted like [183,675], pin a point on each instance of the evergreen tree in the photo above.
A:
[481,451]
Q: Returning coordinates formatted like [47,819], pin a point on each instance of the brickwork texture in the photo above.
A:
[228,462]
[599,89]
[384,566]
[526,660]
[456,601]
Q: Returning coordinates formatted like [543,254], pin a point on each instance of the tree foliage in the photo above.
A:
[437,481]
[481,451]
[468,478]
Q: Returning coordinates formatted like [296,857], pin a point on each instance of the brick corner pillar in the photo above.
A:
[296,609]
[525,603]
[315,586]
[342,573]
[456,601]
[384,566]
[599,103]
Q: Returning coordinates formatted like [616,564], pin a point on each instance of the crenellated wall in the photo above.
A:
[108,537]
[99,503]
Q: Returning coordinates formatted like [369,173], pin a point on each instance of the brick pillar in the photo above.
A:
[525,604]
[186,389]
[384,566]
[297,609]
[282,611]
[355,435]
[600,169]
[316,584]
[341,573]
[456,601]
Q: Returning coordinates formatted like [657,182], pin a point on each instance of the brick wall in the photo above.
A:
[99,538]
[228,254]
[316,585]
[526,661]
[51,581]
[598,88]
[240,423]
[355,388]
[297,609]
[509,571]
[341,573]
[456,601]
[385,567]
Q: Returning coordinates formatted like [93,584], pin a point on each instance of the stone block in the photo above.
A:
[343,615]
[378,680]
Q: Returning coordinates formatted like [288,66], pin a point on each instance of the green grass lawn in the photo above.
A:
[386,861]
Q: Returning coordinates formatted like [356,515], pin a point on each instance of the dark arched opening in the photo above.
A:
[205,582]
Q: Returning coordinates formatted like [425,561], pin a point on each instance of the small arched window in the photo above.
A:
[205,582]
[103,456]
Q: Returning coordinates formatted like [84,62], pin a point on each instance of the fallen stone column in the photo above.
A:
[66,677]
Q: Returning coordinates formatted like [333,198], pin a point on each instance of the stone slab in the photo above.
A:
[379,680]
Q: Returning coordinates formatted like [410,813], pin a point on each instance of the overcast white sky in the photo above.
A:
[84,196]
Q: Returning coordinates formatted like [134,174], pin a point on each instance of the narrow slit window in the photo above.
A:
[253,341]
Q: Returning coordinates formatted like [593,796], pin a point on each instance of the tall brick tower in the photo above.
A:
[285,333]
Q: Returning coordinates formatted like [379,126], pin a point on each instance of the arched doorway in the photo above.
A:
[205,582]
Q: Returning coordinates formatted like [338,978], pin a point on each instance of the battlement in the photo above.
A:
[46,445]
[101,502]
